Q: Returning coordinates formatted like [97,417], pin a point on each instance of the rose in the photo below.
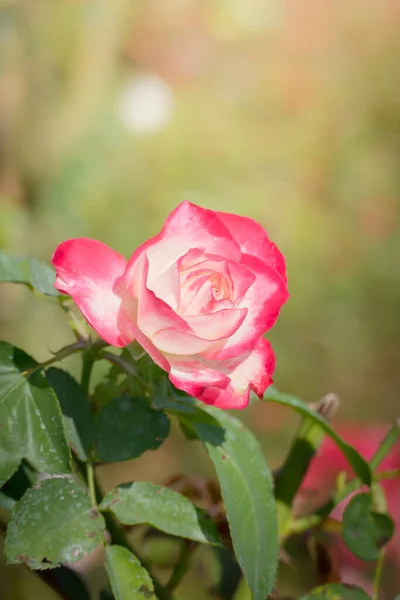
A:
[197,297]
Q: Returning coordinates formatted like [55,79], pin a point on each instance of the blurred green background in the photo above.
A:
[114,111]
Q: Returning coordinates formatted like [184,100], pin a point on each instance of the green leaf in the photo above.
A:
[247,490]
[6,502]
[76,411]
[54,522]
[357,462]
[291,474]
[126,428]
[129,580]
[29,271]
[364,530]
[31,424]
[336,591]
[162,508]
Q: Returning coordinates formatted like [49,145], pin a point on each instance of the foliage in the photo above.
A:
[53,438]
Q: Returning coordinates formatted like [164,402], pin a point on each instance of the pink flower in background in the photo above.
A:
[320,482]
[198,297]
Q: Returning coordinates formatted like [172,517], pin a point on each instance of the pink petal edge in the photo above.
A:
[92,274]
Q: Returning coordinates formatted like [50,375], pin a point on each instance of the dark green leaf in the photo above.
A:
[129,580]
[113,384]
[30,418]
[359,465]
[76,411]
[126,428]
[336,591]
[31,272]
[53,523]
[247,490]
[364,530]
[175,404]
[151,372]
[162,508]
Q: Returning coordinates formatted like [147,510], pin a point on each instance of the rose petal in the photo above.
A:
[92,274]
[172,341]
[196,269]
[217,325]
[253,372]
[253,240]
[263,299]
[167,286]
[151,350]
[153,313]
[242,279]
[192,257]
[187,224]
[195,296]
[193,377]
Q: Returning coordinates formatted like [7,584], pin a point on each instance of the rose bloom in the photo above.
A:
[320,482]
[198,297]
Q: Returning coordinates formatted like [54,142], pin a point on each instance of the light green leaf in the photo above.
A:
[29,271]
[76,411]
[129,580]
[127,427]
[53,523]
[162,508]
[357,462]
[336,591]
[247,490]
[364,530]
[31,424]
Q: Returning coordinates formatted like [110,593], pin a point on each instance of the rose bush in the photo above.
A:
[320,482]
[198,298]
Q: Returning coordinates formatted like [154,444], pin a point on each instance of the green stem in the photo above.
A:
[378,574]
[115,530]
[91,483]
[391,474]
[182,565]
[129,368]
[60,355]
[65,352]
[386,446]
[87,368]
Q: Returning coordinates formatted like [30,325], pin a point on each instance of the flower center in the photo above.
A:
[220,286]
[204,284]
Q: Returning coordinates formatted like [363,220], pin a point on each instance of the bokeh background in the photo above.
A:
[114,111]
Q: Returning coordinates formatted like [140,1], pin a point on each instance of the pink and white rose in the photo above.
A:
[198,297]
